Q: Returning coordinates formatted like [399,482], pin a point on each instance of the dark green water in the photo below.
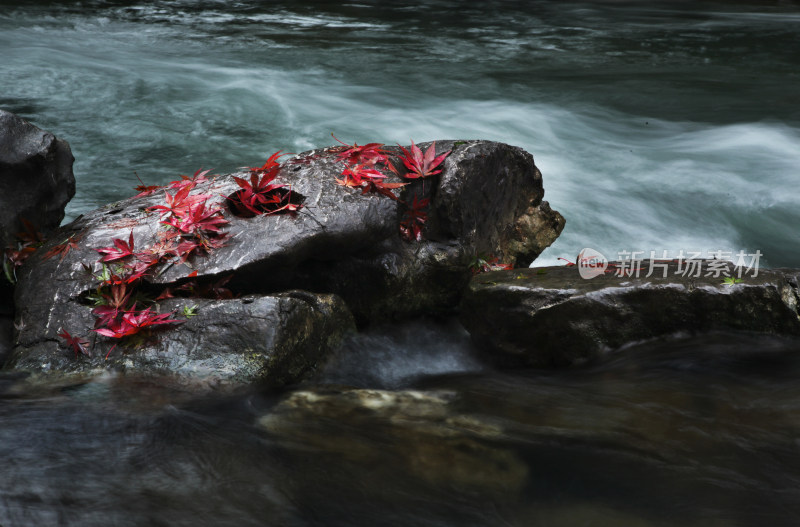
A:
[657,125]
[661,126]
[698,432]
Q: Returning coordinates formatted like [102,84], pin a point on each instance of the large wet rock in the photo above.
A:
[36,182]
[36,179]
[552,317]
[488,200]
[273,340]
[344,242]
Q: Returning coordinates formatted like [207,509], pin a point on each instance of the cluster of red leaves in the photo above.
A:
[361,171]
[131,322]
[418,165]
[195,227]
[414,219]
[368,155]
[16,255]
[117,315]
[192,226]
[260,195]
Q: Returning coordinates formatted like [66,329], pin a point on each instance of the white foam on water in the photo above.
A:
[160,100]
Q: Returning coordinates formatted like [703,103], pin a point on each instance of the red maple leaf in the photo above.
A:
[164,246]
[187,247]
[254,193]
[421,165]
[383,188]
[369,154]
[368,180]
[133,322]
[484,264]
[105,315]
[411,226]
[198,218]
[63,248]
[181,203]
[76,343]
[27,242]
[135,270]
[186,181]
[216,290]
[146,190]
[357,175]
[271,164]
[280,201]
[121,249]
[260,195]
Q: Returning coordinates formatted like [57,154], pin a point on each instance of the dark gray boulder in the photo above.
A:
[36,182]
[272,340]
[488,200]
[36,179]
[551,316]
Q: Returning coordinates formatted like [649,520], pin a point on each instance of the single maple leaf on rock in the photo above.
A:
[369,154]
[121,249]
[76,343]
[419,164]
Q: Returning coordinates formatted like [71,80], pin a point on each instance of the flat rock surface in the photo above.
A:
[551,316]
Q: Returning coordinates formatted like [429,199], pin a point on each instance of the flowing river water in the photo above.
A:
[662,126]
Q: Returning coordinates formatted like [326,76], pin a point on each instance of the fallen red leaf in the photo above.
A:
[416,216]
[133,322]
[76,343]
[421,165]
[271,163]
[121,249]
[63,248]
[369,154]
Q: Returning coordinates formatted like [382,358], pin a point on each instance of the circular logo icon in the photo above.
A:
[591,263]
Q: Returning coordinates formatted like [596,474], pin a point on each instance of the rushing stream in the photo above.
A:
[661,126]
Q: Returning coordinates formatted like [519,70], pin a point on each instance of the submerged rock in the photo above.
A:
[552,317]
[425,434]
[487,200]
